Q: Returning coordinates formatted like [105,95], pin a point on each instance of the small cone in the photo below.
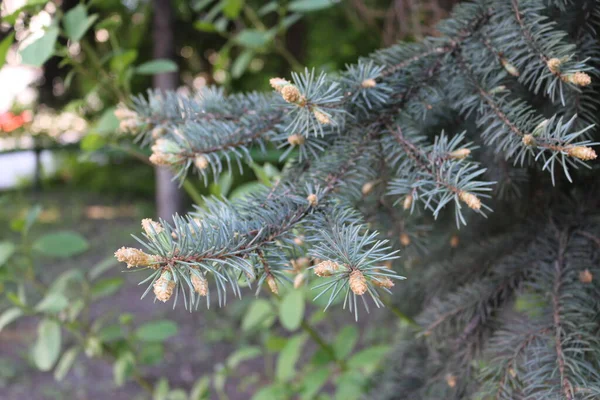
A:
[358,283]
[554,65]
[290,93]
[451,380]
[579,79]
[368,83]
[367,188]
[134,257]
[163,287]
[528,140]
[404,239]
[511,69]
[470,200]
[151,227]
[272,284]
[322,117]
[586,276]
[296,139]
[383,281]
[313,200]
[201,162]
[200,284]
[460,154]
[326,268]
[408,200]
[582,152]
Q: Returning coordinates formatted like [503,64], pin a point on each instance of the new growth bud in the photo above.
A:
[460,154]
[299,280]
[511,69]
[313,200]
[528,140]
[296,139]
[290,93]
[368,83]
[358,283]
[134,257]
[151,227]
[367,188]
[582,152]
[408,200]
[586,276]
[470,200]
[404,239]
[321,117]
[578,78]
[163,287]
[272,284]
[383,281]
[201,162]
[326,268]
[554,65]
[200,284]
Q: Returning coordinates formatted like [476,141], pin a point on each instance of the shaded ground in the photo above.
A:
[204,340]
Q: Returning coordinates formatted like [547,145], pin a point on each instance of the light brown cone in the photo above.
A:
[358,283]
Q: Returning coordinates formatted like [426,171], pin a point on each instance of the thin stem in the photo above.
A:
[401,316]
[322,343]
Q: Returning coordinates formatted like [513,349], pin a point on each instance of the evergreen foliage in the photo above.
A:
[498,114]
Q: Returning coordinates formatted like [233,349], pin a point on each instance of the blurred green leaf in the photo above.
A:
[243,354]
[286,362]
[5,46]
[107,287]
[38,52]
[53,302]
[46,349]
[7,249]
[245,189]
[102,267]
[259,314]
[204,26]
[253,38]
[161,389]
[268,8]
[65,363]
[222,186]
[310,5]
[92,142]
[122,60]
[159,66]
[32,216]
[200,390]
[241,63]
[345,341]
[156,331]
[313,382]
[368,357]
[275,343]
[122,368]
[61,244]
[108,122]
[270,392]
[350,386]
[291,310]
[8,316]
[151,353]
[110,332]
[232,8]
[77,22]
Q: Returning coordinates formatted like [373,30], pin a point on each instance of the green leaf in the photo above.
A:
[200,390]
[5,46]
[108,122]
[368,357]
[77,22]
[107,287]
[350,386]
[291,310]
[246,189]
[65,363]
[241,63]
[53,302]
[286,363]
[232,8]
[32,216]
[313,382]
[151,353]
[243,354]
[154,67]
[102,267]
[61,244]
[253,38]
[110,333]
[7,249]
[222,187]
[46,349]
[310,5]
[8,316]
[270,392]
[92,142]
[122,368]
[204,26]
[345,341]
[156,331]
[38,52]
[161,389]
[122,60]
[259,314]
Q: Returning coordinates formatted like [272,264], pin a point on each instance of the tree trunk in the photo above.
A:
[168,196]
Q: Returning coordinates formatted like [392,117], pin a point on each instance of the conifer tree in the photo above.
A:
[470,154]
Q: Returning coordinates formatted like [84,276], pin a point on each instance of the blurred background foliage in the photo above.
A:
[62,299]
